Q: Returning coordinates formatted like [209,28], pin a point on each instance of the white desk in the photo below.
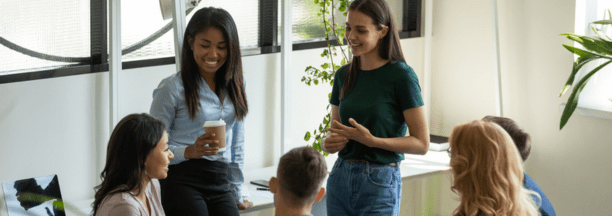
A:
[413,167]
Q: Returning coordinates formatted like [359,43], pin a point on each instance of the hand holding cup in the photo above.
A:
[200,148]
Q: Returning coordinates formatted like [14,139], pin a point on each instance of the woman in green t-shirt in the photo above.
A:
[375,99]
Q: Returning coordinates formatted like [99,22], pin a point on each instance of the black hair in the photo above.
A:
[229,76]
[130,143]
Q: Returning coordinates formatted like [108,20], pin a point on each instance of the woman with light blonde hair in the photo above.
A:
[488,172]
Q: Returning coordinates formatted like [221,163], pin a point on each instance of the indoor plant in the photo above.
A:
[593,48]
[334,36]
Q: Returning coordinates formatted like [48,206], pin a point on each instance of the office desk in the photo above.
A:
[413,167]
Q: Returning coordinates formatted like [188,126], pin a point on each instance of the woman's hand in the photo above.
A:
[245,205]
[199,149]
[358,132]
[334,142]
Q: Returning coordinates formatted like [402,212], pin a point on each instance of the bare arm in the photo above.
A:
[416,143]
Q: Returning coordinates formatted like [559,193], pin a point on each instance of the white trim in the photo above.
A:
[179,24]
[499,111]
[428,25]
[114,61]
[286,78]
[606,114]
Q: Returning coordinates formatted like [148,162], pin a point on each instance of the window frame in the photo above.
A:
[268,42]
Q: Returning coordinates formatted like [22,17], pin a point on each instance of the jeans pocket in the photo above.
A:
[335,167]
[381,176]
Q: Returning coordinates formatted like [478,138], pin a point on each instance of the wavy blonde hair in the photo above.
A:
[488,172]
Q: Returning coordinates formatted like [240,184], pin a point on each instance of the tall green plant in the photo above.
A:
[326,72]
[598,47]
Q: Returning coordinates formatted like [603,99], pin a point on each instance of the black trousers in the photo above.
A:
[198,187]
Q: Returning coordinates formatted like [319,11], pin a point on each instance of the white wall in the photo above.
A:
[60,125]
[571,166]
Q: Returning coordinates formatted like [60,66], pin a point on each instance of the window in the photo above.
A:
[42,39]
[598,92]
[44,34]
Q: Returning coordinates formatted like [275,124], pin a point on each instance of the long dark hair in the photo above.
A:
[229,76]
[130,143]
[388,48]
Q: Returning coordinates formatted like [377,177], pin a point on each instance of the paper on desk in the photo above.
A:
[266,194]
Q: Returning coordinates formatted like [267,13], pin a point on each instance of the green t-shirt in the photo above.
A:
[377,102]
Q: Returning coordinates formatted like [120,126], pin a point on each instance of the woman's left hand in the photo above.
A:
[358,132]
[245,205]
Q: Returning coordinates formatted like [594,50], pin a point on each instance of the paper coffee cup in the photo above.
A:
[218,128]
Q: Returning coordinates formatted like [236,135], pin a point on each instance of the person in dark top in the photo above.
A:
[523,144]
[375,99]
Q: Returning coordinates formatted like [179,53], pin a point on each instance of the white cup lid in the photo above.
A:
[214,123]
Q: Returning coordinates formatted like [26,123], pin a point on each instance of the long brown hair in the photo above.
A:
[228,77]
[389,46]
[130,143]
[488,172]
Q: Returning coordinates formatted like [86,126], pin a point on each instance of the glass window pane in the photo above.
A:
[246,16]
[307,26]
[140,20]
[58,30]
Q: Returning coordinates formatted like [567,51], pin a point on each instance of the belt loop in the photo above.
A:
[340,162]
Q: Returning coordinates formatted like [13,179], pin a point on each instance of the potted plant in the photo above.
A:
[593,48]
[334,36]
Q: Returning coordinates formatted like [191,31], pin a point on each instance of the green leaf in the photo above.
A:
[316,82]
[592,44]
[307,136]
[342,8]
[581,61]
[572,101]
[343,62]
[329,96]
[316,1]
[601,35]
[604,22]
[325,66]
[331,83]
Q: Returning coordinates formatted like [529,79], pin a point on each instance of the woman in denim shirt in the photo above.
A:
[374,99]
[203,180]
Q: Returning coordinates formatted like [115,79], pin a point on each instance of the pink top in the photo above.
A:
[125,203]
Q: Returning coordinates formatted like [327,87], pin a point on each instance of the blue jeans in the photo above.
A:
[357,188]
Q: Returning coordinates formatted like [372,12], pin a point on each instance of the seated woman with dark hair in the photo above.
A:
[137,156]
[488,172]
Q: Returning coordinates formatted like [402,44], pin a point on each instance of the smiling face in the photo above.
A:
[156,164]
[362,34]
[209,50]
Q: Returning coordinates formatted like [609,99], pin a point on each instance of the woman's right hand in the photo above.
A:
[199,149]
[334,142]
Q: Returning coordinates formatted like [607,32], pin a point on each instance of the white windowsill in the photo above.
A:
[607,114]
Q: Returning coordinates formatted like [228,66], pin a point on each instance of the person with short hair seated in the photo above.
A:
[523,144]
[488,172]
[298,183]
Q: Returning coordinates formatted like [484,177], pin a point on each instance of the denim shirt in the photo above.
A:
[170,107]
